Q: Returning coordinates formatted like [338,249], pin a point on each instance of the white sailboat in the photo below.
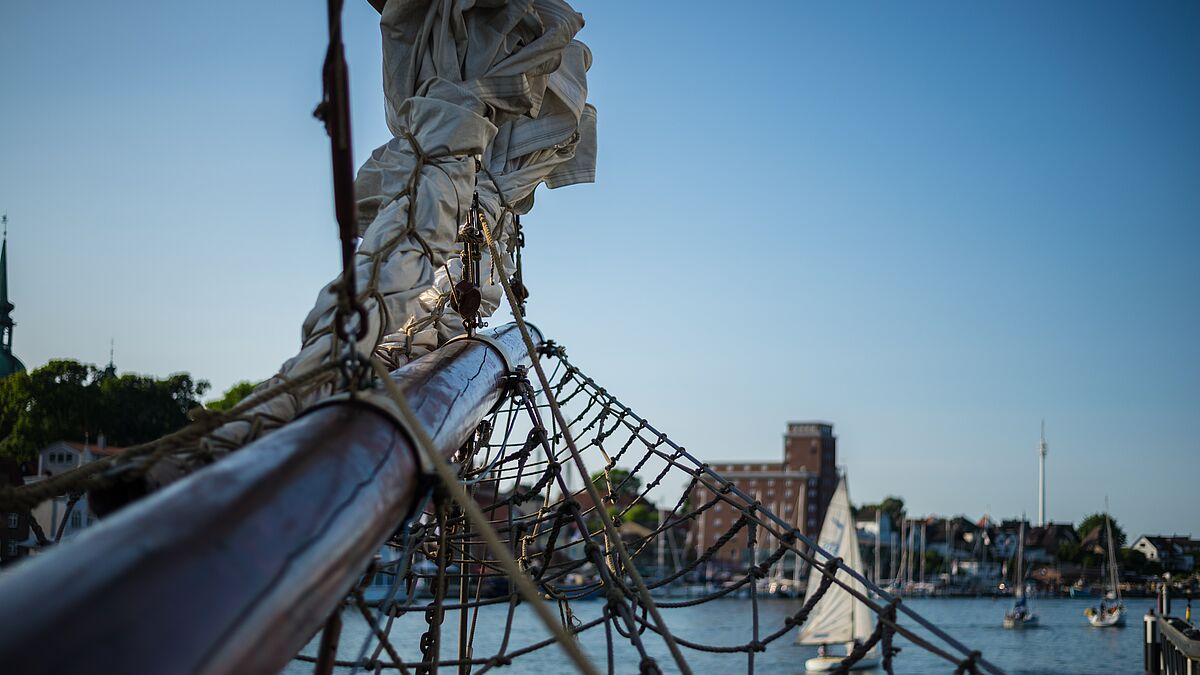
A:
[1107,615]
[1020,616]
[839,617]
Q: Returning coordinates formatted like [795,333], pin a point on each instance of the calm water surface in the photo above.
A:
[1063,644]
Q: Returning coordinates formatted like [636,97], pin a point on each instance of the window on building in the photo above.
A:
[76,520]
[812,522]
[787,493]
[770,483]
[788,508]
[764,467]
[812,508]
[770,494]
[716,522]
[12,548]
[13,521]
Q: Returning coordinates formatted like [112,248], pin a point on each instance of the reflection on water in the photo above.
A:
[1064,644]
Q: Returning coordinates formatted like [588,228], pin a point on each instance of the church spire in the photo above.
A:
[6,307]
[9,364]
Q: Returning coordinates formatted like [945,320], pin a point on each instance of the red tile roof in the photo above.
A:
[95,449]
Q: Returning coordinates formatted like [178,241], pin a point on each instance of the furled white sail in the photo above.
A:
[503,81]
[839,616]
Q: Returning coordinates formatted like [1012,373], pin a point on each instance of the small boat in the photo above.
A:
[839,617]
[1108,615]
[1020,615]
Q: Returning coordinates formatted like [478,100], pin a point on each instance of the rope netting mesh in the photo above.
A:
[438,596]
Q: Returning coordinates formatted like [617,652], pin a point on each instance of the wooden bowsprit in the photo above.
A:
[234,568]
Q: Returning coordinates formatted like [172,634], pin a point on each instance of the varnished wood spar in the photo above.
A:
[234,568]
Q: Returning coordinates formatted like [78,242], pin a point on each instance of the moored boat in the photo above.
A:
[1108,615]
[1020,616]
[838,617]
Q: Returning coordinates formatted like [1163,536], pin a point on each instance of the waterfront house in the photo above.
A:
[60,514]
[952,538]
[1043,542]
[1175,553]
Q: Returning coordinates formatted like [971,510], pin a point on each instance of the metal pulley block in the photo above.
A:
[519,290]
[466,299]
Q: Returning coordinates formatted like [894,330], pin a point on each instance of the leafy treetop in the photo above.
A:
[1096,520]
[232,397]
[624,484]
[68,400]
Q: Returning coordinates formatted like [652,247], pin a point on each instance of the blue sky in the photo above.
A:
[933,224]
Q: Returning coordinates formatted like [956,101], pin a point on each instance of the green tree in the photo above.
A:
[69,400]
[1069,552]
[624,484]
[893,507]
[639,513]
[1096,520]
[933,562]
[1133,561]
[232,397]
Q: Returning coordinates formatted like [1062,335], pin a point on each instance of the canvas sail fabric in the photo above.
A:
[501,80]
[839,616]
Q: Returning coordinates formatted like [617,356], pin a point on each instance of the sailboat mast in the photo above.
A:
[796,556]
[777,570]
[878,541]
[662,543]
[1112,556]
[922,552]
[912,547]
[1020,578]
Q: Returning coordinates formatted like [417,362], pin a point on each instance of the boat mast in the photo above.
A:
[662,542]
[796,556]
[1112,556]
[1020,578]
[878,540]
[922,552]
[777,570]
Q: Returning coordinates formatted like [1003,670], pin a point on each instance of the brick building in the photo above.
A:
[798,489]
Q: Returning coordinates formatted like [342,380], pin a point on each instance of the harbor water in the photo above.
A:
[1063,644]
